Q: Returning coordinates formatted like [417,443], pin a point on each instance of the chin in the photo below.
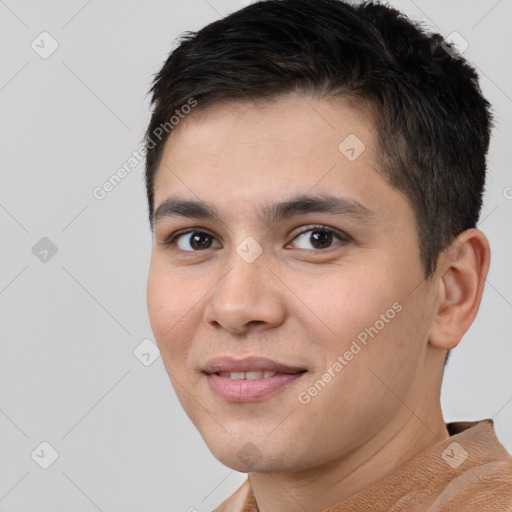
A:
[258,456]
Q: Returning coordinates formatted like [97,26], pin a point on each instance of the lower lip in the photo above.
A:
[248,390]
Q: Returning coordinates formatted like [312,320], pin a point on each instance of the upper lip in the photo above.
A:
[231,364]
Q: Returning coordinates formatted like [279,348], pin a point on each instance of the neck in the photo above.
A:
[315,489]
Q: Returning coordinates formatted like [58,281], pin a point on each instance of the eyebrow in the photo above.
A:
[295,206]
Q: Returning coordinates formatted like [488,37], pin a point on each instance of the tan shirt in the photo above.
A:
[469,472]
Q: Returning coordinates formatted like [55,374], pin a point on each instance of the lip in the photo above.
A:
[231,364]
[249,390]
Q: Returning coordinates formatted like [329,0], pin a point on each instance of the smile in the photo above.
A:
[248,375]
[250,379]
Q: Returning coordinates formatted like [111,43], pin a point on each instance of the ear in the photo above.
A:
[461,272]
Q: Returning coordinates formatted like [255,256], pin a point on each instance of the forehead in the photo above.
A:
[294,119]
[260,153]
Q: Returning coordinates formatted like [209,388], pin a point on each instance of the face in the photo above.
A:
[286,291]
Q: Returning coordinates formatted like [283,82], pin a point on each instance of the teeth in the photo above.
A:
[253,375]
[248,375]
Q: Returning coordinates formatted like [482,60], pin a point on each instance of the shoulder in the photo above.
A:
[481,470]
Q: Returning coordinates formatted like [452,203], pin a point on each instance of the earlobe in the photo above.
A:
[461,273]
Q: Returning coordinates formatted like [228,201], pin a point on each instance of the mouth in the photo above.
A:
[251,375]
[249,379]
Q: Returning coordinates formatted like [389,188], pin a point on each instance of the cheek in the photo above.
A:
[344,302]
[363,319]
[379,333]
[172,309]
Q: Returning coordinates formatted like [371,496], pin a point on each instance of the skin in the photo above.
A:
[304,305]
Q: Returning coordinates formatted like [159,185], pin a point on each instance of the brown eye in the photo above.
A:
[194,241]
[321,239]
[318,238]
[200,241]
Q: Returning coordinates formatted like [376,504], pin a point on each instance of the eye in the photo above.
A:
[193,241]
[318,237]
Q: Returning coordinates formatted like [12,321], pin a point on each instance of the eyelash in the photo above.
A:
[343,237]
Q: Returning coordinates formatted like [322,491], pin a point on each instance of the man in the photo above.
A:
[315,172]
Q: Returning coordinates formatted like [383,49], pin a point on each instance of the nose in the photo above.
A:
[249,296]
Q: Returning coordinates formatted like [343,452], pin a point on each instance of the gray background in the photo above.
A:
[70,323]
